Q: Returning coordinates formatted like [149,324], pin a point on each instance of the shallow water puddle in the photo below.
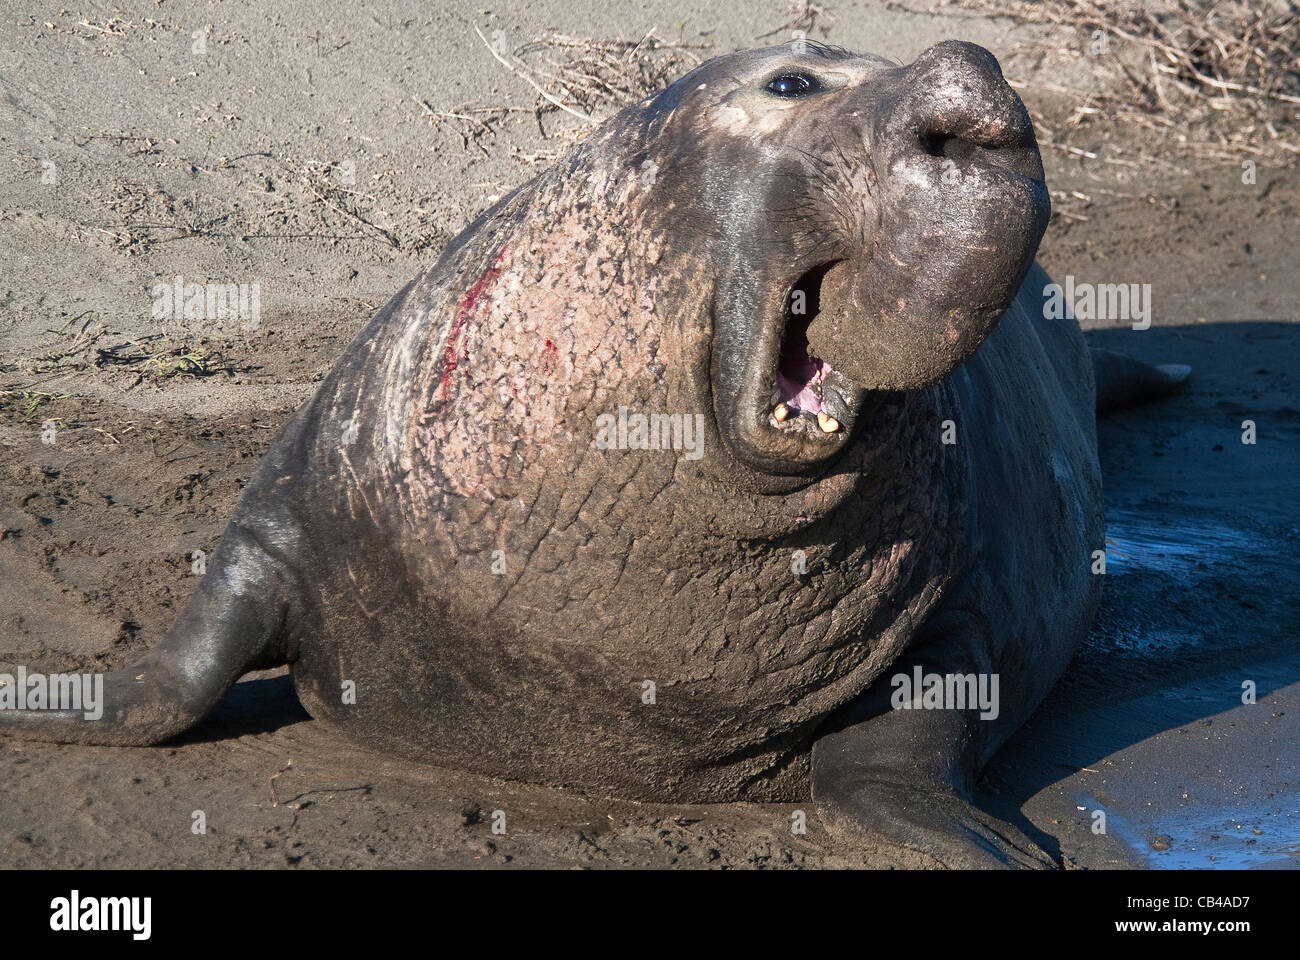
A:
[1180,581]
[1205,787]
[1256,836]
[1144,541]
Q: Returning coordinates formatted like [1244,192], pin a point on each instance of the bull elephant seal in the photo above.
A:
[643,488]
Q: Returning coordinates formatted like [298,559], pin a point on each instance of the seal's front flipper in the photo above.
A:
[233,624]
[923,828]
[895,783]
[1122,380]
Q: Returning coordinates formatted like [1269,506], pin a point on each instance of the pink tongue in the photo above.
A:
[799,394]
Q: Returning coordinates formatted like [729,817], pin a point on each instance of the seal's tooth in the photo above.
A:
[828,423]
[781,412]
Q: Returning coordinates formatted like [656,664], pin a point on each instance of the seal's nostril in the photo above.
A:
[948,146]
[935,144]
[990,124]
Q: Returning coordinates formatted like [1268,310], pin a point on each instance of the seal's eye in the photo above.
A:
[793,85]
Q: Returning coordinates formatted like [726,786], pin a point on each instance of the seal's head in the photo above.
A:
[865,225]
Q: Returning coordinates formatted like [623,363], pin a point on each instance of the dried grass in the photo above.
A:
[600,77]
[583,79]
[1213,80]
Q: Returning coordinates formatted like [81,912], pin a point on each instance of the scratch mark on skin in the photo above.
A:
[371,614]
[356,481]
[456,342]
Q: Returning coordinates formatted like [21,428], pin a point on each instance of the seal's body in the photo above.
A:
[680,455]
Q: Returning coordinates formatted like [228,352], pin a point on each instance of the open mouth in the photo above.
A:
[811,395]
[780,408]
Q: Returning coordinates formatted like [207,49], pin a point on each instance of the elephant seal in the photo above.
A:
[680,457]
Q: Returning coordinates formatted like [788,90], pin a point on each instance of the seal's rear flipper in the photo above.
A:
[232,625]
[1122,380]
